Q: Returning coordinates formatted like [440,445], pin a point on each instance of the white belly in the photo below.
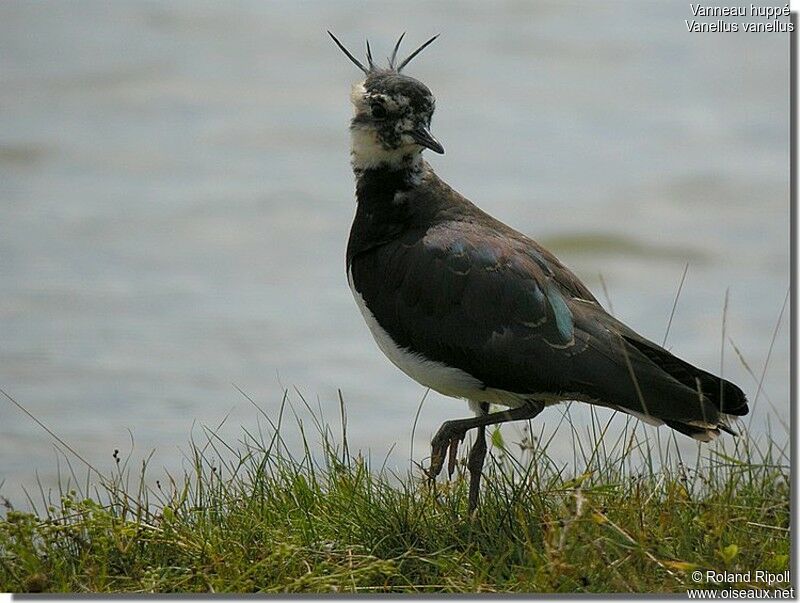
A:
[446,380]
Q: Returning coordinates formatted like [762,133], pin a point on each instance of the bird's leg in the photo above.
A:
[475,463]
[451,457]
[453,432]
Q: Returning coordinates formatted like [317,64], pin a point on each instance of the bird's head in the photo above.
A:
[391,124]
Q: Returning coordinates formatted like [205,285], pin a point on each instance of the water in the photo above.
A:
[176,197]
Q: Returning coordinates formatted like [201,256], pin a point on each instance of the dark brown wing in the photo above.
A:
[502,309]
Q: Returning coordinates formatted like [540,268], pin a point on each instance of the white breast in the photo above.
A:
[446,380]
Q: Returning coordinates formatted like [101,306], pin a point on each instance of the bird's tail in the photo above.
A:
[726,397]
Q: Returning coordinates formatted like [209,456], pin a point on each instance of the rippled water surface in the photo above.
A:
[176,197]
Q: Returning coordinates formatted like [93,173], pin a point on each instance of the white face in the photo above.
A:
[370,131]
[387,127]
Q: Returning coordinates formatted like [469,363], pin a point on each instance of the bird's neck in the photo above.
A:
[379,186]
[387,188]
[367,155]
[386,194]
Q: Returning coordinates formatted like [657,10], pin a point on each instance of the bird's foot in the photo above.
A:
[445,441]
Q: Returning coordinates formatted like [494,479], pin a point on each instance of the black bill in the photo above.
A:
[422,136]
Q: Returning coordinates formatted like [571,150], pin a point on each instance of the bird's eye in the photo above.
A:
[378,111]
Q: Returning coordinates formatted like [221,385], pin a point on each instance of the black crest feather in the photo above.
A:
[415,53]
[348,54]
[392,59]
[369,57]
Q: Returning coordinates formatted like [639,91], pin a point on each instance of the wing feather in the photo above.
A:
[501,308]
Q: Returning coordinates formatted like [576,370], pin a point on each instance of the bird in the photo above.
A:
[474,309]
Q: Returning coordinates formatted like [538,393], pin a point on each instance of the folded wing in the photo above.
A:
[504,310]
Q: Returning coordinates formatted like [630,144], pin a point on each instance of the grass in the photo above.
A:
[625,515]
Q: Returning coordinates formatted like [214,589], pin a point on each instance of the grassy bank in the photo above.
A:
[626,515]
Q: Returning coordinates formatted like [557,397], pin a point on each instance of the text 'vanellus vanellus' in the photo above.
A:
[473,309]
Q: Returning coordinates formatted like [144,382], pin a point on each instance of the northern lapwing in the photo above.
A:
[473,309]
